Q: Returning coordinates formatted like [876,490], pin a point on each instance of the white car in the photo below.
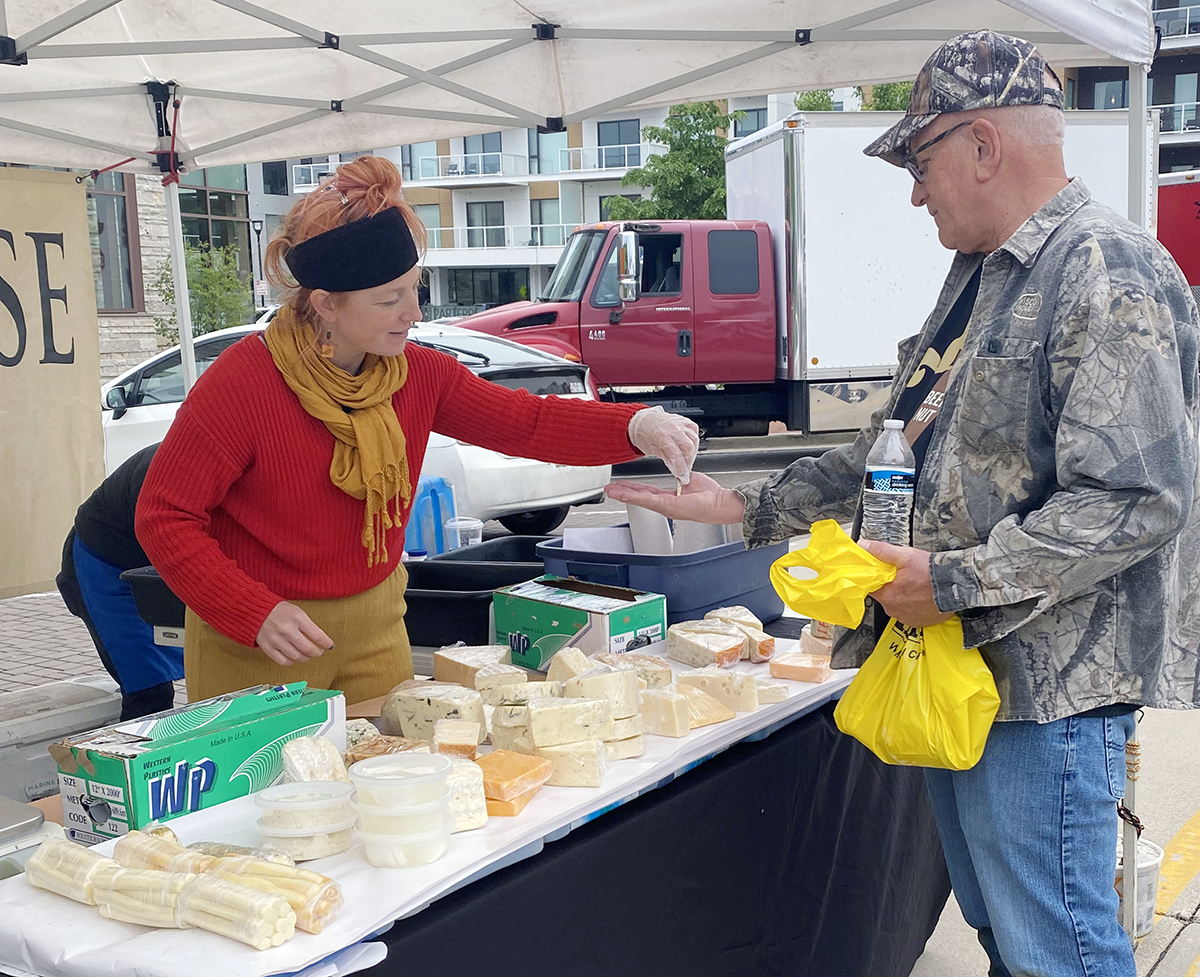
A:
[526,496]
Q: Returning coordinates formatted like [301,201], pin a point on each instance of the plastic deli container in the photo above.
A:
[416,819]
[400,779]
[403,851]
[312,842]
[305,804]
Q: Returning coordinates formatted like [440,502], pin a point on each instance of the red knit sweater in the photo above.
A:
[238,512]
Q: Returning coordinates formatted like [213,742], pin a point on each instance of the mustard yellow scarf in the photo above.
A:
[369,460]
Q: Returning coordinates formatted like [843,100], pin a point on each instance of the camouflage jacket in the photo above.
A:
[1057,492]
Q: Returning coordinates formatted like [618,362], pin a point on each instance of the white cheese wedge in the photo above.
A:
[358,730]
[580,764]
[567,663]
[514,738]
[811,644]
[513,694]
[412,709]
[769,691]
[510,716]
[736,614]
[738,690]
[553,722]
[467,803]
[494,674]
[651,669]
[634,725]
[799,667]
[458,665]
[703,709]
[760,645]
[626,749]
[617,685]
[701,643]
[665,712]
[312,758]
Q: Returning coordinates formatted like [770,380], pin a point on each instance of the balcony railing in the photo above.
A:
[1180,117]
[606,157]
[471,164]
[499,236]
[1178,21]
[306,177]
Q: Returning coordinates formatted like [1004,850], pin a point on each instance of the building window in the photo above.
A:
[1070,94]
[545,151]
[1112,94]
[481,154]
[606,202]
[419,161]
[431,216]
[116,255]
[487,286]
[547,230]
[275,178]
[216,211]
[622,140]
[485,224]
[755,119]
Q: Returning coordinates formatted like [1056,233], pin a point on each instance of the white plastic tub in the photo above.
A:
[404,851]
[306,843]
[305,804]
[414,820]
[400,779]
[1149,864]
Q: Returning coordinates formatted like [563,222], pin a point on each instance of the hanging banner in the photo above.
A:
[51,444]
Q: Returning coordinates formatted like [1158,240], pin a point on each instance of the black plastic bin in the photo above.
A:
[693,583]
[503,550]
[451,601]
[156,603]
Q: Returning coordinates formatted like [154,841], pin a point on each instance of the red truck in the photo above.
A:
[792,310]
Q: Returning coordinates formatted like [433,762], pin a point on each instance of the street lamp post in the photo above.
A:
[257,226]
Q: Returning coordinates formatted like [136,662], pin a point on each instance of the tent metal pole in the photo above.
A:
[122,151]
[183,306]
[71,93]
[486,54]
[188,158]
[63,22]
[1139,148]
[138,48]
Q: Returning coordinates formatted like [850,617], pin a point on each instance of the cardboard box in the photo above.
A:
[540,616]
[175,762]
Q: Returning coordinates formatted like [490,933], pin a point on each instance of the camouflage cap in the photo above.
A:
[977,70]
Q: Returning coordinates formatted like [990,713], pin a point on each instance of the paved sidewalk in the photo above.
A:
[41,641]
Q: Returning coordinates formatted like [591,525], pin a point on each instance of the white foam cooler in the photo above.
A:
[32,718]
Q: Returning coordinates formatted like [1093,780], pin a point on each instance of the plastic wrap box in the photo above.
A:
[693,583]
[32,718]
[451,601]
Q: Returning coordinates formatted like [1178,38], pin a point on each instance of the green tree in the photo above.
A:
[888,96]
[818,100]
[219,297]
[688,180]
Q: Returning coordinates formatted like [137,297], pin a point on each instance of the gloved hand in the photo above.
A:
[670,437]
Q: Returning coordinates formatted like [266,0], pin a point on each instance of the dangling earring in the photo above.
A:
[326,348]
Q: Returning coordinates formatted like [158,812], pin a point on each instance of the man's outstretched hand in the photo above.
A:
[703,500]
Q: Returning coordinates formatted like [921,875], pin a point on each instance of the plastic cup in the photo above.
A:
[463,531]
[400,779]
[403,851]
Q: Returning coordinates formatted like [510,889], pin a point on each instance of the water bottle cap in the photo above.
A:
[893,424]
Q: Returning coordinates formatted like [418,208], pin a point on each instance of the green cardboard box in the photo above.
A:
[540,616]
[163,766]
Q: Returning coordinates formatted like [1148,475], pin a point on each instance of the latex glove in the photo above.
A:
[704,500]
[670,437]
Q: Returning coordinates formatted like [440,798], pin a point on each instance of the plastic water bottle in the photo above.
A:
[891,475]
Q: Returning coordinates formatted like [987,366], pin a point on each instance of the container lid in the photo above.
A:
[304,795]
[18,820]
[403,810]
[270,831]
[398,769]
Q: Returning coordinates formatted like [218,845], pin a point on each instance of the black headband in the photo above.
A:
[372,251]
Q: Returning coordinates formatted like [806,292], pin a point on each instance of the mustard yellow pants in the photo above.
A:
[370,653]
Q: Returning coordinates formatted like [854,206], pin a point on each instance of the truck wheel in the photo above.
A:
[538,522]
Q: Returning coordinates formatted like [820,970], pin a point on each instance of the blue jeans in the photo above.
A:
[1030,838]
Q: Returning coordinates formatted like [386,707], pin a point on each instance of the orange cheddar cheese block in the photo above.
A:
[507,775]
[513,806]
[799,667]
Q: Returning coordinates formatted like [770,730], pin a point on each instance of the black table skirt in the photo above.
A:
[798,855]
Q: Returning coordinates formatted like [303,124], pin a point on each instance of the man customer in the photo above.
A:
[1052,402]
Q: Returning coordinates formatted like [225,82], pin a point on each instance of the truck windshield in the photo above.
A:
[574,268]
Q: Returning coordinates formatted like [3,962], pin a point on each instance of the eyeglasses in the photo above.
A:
[910,159]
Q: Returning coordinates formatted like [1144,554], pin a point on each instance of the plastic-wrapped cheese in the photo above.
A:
[567,663]
[738,690]
[760,646]
[514,738]
[382,745]
[139,895]
[626,749]
[510,715]
[467,802]
[358,730]
[799,667]
[665,712]
[700,643]
[769,691]
[456,737]
[552,722]
[812,644]
[240,912]
[314,898]
[503,695]
[580,764]
[312,758]
[67,868]
[512,807]
[633,725]
[703,709]
[495,674]
[617,685]
[507,775]
[651,669]
[735,614]
[138,850]
[413,707]
[457,665]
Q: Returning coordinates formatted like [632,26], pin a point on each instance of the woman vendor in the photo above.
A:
[275,507]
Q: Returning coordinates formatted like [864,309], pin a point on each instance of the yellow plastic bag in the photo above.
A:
[921,699]
[846,573]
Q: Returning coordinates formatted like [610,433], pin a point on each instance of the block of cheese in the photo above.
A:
[456,737]
[467,803]
[769,691]
[617,685]
[632,726]
[507,775]
[509,716]
[736,614]
[580,764]
[458,665]
[511,694]
[514,738]
[512,807]
[703,709]
[811,644]
[701,643]
[553,722]
[760,645]
[494,674]
[358,730]
[738,690]
[413,707]
[567,663]
[799,667]
[651,669]
[665,712]
[312,758]
[379,745]
[822,630]
[626,749]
